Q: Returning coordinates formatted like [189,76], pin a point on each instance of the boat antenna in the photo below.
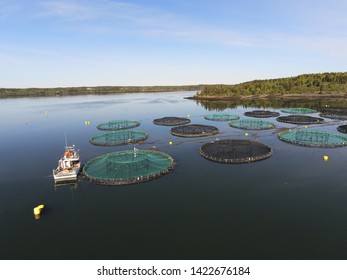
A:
[65,140]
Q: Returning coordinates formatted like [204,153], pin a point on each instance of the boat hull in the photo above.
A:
[65,175]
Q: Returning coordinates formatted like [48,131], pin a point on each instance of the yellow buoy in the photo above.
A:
[326,158]
[37,211]
[246,134]
[170,143]
[305,126]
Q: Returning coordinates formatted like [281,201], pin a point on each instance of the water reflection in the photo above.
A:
[270,103]
[73,187]
[63,185]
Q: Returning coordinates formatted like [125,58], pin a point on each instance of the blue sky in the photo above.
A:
[167,42]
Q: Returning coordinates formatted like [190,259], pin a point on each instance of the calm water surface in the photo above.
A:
[291,206]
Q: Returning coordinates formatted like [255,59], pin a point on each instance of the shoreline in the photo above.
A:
[80,91]
[55,92]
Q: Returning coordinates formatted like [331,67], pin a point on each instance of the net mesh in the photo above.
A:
[252,124]
[171,121]
[118,137]
[118,125]
[261,114]
[300,119]
[235,151]
[127,167]
[313,138]
[194,130]
[298,111]
[221,117]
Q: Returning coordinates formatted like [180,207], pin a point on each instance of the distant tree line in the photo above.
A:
[323,83]
[21,92]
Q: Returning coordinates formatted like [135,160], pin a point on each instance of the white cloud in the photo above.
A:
[4,58]
[141,20]
[329,45]
[68,10]
[150,22]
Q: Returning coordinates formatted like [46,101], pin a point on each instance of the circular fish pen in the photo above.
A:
[334,116]
[235,151]
[171,121]
[298,111]
[252,124]
[333,113]
[300,119]
[127,167]
[313,138]
[114,138]
[221,117]
[342,128]
[194,130]
[261,114]
[118,125]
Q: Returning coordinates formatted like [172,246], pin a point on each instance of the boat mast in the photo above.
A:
[65,140]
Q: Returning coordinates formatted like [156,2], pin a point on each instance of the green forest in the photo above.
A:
[307,84]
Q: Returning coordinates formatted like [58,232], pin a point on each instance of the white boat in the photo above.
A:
[69,165]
